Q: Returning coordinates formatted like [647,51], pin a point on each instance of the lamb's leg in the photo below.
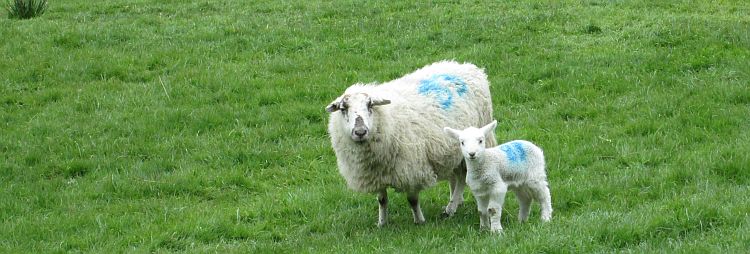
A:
[524,201]
[495,208]
[542,194]
[413,198]
[484,219]
[457,184]
[382,207]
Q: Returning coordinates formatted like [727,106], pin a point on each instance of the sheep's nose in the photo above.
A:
[471,154]
[360,133]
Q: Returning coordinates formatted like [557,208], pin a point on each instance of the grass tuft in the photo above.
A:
[592,29]
[26,9]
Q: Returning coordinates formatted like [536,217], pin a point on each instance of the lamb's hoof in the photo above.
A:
[546,217]
[419,222]
[497,231]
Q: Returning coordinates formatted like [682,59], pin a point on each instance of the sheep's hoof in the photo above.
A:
[419,222]
[382,223]
[448,212]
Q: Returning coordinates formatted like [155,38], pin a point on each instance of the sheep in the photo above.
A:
[517,165]
[390,135]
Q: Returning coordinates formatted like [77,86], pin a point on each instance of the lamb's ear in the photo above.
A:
[490,127]
[451,132]
[378,101]
[334,106]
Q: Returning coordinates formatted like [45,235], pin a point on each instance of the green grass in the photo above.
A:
[164,126]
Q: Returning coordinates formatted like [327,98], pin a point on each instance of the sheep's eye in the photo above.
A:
[462,143]
[480,141]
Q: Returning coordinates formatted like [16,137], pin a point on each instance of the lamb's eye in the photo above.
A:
[462,143]
[480,141]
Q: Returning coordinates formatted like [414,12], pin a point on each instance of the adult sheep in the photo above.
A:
[391,134]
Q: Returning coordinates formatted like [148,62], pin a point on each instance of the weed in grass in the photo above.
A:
[26,9]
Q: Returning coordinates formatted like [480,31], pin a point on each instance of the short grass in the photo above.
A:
[198,126]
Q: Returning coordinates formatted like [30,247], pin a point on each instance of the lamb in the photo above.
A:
[390,135]
[517,165]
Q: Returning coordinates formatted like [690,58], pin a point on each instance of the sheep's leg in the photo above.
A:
[457,184]
[450,209]
[484,219]
[413,198]
[495,208]
[382,207]
[524,201]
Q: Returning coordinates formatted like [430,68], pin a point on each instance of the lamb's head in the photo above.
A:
[356,111]
[472,139]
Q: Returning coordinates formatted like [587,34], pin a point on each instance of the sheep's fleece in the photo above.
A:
[404,146]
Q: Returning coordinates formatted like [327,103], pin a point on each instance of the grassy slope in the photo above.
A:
[164,126]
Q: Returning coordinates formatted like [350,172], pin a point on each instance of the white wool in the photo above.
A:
[390,135]
[516,165]
[408,150]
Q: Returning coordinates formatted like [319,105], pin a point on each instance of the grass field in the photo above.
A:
[164,126]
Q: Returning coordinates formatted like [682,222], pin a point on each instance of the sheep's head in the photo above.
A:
[356,110]
[472,139]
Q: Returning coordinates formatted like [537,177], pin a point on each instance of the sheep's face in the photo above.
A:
[356,111]
[472,140]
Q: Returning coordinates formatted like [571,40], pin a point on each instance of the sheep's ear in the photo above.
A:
[334,106]
[377,101]
[490,127]
[451,132]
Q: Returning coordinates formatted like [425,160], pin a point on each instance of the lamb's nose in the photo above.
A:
[472,154]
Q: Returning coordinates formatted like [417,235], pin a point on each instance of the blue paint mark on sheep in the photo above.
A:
[440,92]
[514,151]
[439,86]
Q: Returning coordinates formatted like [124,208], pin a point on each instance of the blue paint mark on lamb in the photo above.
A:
[514,151]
